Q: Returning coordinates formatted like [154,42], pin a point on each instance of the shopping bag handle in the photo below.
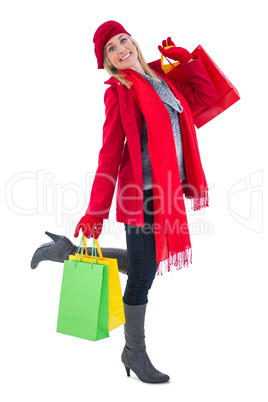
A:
[96,243]
[98,248]
[95,250]
[78,251]
[80,248]
[162,58]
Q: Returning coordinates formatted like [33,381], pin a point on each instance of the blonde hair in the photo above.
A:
[111,70]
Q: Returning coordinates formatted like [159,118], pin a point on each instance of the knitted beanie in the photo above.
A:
[104,33]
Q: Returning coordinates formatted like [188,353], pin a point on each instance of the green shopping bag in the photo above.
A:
[84,299]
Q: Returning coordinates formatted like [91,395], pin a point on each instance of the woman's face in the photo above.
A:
[122,53]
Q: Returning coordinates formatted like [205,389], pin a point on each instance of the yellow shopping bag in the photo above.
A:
[116,308]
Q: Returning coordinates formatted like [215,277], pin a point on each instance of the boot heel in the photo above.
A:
[127,370]
[54,237]
[58,250]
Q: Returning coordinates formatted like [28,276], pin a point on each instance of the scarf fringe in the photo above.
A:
[199,203]
[177,260]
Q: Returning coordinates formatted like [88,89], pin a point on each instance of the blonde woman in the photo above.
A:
[150,149]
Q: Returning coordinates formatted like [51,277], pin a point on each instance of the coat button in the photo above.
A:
[118,83]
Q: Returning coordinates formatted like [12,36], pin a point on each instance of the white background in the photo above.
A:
[206,326]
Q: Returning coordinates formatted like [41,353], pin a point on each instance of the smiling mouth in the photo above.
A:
[126,56]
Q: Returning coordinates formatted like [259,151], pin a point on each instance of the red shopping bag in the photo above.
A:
[228,94]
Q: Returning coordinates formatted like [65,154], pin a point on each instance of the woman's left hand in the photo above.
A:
[175,53]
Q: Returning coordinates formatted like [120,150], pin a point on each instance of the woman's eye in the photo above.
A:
[112,47]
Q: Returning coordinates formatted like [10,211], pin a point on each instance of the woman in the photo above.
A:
[150,147]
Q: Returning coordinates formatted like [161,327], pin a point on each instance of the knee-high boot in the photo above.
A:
[61,247]
[134,355]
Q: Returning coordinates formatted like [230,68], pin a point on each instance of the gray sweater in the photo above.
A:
[173,107]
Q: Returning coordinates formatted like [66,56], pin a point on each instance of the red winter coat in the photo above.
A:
[120,155]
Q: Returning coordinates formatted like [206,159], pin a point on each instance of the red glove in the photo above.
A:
[88,224]
[175,53]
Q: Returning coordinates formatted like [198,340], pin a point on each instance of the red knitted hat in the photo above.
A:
[105,32]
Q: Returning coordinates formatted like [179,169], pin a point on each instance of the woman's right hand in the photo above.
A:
[89,224]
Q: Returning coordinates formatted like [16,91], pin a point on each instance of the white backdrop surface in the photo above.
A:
[206,326]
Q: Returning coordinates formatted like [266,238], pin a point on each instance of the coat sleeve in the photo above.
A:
[200,90]
[109,158]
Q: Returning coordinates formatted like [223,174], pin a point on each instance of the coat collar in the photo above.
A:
[111,81]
